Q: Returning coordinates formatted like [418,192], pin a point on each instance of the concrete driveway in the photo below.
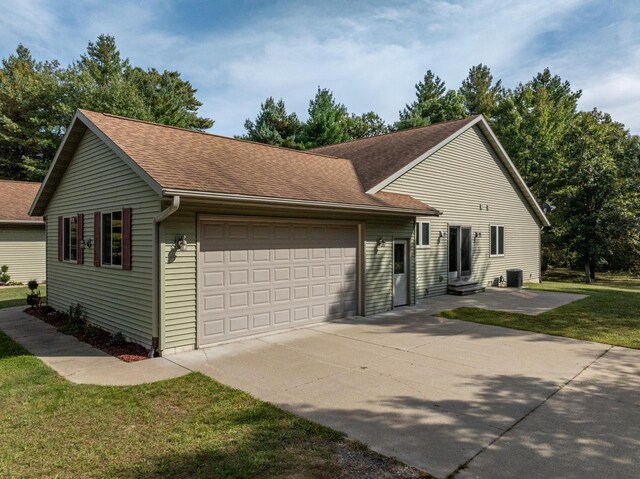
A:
[452,397]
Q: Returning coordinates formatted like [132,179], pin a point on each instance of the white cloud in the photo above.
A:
[371,56]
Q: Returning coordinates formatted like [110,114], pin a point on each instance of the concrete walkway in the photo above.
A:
[77,361]
[440,394]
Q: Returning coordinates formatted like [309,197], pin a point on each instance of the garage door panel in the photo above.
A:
[256,277]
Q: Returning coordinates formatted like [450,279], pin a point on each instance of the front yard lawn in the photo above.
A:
[610,314]
[190,427]
[17,296]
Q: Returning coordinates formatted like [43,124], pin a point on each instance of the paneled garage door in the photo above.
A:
[259,276]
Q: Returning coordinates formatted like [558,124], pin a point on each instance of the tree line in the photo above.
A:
[583,166]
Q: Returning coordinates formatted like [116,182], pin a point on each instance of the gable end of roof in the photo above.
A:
[79,125]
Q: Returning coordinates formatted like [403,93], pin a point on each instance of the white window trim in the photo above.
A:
[498,254]
[64,239]
[102,213]
[419,235]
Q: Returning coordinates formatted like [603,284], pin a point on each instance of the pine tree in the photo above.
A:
[479,93]
[328,121]
[274,126]
[433,104]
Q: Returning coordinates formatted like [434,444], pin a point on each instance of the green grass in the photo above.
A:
[610,314]
[190,427]
[11,296]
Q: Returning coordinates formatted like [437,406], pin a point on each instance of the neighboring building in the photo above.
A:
[181,239]
[22,245]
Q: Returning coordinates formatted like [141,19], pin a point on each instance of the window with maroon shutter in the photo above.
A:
[80,239]
[96,238]
[60,237]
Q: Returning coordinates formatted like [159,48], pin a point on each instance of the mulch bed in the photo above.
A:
[96,337]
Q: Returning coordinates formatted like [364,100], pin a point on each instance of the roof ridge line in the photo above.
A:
[205,133]
[396,131]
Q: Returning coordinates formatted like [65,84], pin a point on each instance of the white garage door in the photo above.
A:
[259,276]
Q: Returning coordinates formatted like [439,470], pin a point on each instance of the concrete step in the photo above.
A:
[461,289]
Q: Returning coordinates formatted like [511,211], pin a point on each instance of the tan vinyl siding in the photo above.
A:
[178,269]
[178,280]
[378,269]
[457,179]
[98,180]
[22,250]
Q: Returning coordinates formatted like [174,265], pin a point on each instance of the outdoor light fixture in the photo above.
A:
[181,243]
[381,243]
[476,235]
[85,243]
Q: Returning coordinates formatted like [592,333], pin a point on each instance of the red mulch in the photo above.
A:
[96,337]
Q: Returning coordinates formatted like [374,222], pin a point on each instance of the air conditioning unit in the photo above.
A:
[514,278]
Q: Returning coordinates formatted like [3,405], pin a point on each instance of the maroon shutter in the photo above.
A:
[126,238]
[80,240]
[60,237]
[97,221]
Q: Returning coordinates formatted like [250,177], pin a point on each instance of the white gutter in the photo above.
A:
[294,202]
[155,270]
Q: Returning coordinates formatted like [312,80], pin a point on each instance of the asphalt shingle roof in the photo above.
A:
[15,200]
[377,158]
[181,159]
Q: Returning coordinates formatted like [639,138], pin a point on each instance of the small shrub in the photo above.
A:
[118,340]
[34,299]
[14,283]
[75,320]
[76,313]
[4,275]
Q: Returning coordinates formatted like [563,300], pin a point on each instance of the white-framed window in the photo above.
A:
[497,240]
[423,234]
[111,240]
[70,239]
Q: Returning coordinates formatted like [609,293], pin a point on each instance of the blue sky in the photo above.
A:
[236,53]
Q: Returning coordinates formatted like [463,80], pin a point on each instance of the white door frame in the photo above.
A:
[458,273]
[401,281]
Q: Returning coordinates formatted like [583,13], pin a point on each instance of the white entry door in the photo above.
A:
[400,272]
[259,276]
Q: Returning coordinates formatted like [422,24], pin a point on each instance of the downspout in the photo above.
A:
[155,272]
